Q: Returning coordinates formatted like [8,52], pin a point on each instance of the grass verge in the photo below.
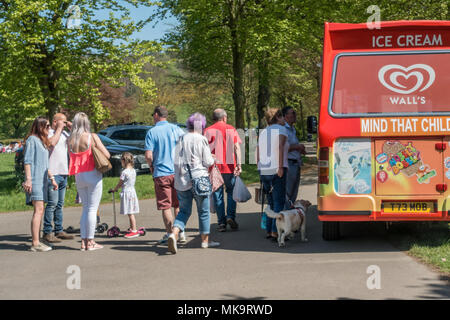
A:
[428,242]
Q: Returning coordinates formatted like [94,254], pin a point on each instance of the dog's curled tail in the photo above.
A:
[272,214]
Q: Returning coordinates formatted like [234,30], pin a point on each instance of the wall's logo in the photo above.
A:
[396,78]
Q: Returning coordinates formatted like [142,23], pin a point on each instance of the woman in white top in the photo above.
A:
[87,178]
[272,161]
[192,150]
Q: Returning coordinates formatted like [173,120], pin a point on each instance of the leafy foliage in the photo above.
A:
[52,63]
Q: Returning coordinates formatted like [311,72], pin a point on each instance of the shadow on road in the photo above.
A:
[17,242]
[235,297]
[22,242]
[356,237]
[437,291]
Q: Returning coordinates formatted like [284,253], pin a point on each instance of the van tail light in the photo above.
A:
[441,146]
[324,169]
[441,187]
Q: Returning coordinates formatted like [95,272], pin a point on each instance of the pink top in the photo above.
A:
[81,161]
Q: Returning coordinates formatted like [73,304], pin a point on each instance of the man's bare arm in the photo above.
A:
[55,138]
[149,159]
[237,152]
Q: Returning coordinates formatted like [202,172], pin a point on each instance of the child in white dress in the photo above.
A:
[129,204]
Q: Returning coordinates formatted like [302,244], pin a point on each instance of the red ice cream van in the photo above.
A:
[384,123]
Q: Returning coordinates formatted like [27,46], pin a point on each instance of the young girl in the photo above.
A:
[129,204]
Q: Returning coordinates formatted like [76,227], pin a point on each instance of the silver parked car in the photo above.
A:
[131,134]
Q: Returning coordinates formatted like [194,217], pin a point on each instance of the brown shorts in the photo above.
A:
[166,195]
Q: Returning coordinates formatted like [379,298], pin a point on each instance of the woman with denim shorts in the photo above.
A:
[37,177]
[193,150]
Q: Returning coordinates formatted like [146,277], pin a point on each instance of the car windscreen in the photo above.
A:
[138,134]
[106,141]
[395,83]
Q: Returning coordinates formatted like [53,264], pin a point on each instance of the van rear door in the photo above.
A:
[447,162]
[408,166]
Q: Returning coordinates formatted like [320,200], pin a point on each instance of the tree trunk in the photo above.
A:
[47,83]
[238,54]
[238,88]
[238,83]
[17,126]
[263,92]
[302,119]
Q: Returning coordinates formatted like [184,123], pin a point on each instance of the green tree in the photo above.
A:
[211,37]
[64,53]
[223,38]
[268,47]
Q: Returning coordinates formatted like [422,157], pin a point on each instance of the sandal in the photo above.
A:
[94,246]
[83,246]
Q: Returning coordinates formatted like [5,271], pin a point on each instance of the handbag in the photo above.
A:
[102,163]
[201,186]
[216,178]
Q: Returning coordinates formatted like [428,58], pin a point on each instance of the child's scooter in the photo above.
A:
[101,227]
[114,231]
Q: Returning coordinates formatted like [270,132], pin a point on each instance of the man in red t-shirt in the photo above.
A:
[224,143]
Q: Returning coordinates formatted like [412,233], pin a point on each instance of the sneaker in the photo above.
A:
[210,244]
[222,228]
[50,238]
[182,238]
[164,239]
[40,248]
[132,234]
[64,236]
[233,224]
[172,243]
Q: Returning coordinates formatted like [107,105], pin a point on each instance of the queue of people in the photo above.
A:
[10,148]
[279,163]
[179,162]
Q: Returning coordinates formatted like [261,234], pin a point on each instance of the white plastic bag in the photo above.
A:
[240,191]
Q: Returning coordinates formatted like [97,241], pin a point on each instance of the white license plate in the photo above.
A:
[144,166]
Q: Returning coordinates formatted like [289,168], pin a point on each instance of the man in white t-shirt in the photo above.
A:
[58,164]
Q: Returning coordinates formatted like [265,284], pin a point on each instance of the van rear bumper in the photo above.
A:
[349,213]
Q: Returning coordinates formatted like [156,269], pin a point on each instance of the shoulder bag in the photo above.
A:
[102,163]
[216,178]
[201,186]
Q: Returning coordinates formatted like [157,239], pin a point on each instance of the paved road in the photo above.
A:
[246,266]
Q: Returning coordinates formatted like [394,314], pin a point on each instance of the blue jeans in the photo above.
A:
[219,201]
[185,199]
[292,184]
[276,197]
[54,208]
